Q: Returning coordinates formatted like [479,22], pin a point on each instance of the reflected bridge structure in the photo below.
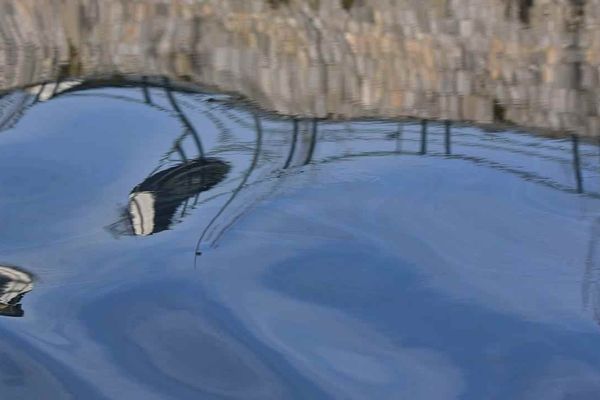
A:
[247,156]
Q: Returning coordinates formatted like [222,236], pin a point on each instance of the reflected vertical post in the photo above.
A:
[423,136]
[399,138]
[39,93]
[313,142]
[145,90]
[293,145]
[577,163]
[59,80]
[447,133]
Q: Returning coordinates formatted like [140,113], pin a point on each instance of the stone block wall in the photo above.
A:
[534,63]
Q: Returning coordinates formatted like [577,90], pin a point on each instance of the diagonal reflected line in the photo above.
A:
[184,119]
[145,90]
[247,209]
[234,194]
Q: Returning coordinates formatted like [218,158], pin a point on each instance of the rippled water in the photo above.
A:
[164,238]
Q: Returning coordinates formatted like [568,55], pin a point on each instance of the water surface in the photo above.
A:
[164,238]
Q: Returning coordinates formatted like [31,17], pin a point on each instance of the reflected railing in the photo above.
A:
[172,189]
[450,144]
[253,155]
[431,138]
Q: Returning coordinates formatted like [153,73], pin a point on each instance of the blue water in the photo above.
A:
[194,247]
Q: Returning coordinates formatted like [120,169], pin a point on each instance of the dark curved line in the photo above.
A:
[186,122]
[313,143]
[116,97]
[527,176]
[238,189]
[293,148]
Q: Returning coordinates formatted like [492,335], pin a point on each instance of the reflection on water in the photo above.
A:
[178,178]
[190,243]
[14,284]
[530,63]
[329,256]
[154,202]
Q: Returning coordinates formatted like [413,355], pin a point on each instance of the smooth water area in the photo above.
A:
[163,242]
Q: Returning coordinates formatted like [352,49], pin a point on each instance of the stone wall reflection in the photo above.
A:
[532,63]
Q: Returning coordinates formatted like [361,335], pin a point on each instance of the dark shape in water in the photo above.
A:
[154,202]
[14,284]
